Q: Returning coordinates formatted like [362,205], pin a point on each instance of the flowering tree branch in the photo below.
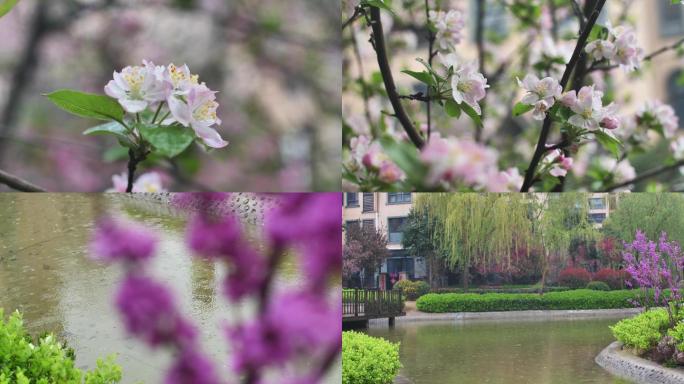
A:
[390,87]
[431,55]
[646,175]
[18,184]
[648,57]
[546,127]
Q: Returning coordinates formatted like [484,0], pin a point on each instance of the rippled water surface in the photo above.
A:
[46,274]
[507,352]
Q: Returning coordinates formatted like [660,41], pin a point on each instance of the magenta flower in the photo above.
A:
[149,313]
[191,367]
[311,223]
[116,239]
[295,324]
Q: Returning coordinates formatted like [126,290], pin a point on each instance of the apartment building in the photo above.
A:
[386,211]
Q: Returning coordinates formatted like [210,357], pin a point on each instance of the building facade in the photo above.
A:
[386,211]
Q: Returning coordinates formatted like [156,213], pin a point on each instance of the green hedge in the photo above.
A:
[368,360]
[493,302]
[45,360]
[643,331]
[483,290]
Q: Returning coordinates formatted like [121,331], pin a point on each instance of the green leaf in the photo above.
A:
[112,128]
[6,6]
[169,141]
[471,112]
[608,142]
[423,77]
[452,108]
[379,4]
[521,109]
[87,104]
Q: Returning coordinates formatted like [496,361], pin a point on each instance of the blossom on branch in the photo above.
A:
[540,93]
[449,26]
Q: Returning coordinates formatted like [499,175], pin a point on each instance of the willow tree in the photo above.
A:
[652,213]
[477,228]
[557,220]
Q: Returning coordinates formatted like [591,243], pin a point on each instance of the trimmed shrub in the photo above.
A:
[642,332]
[495,302]
[574,277]
[598,286]
[412,289]
[677,333]
[368,360]
[482,290]
[614,279]
[45,360]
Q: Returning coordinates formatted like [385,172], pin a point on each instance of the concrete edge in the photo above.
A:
[626,365]
[511,315]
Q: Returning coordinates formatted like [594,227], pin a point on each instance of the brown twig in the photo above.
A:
[646,175]
[18,183]
[388,79]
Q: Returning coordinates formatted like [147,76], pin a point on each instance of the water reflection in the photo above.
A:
[46,274]
[510,352]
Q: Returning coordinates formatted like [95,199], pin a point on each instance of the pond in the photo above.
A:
[502,352]
[46,274]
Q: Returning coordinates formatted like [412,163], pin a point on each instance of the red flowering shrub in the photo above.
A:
[614,279]
[574,277]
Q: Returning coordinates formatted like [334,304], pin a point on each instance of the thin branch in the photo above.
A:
[431,43]
[646,175]
[648,57]
[358,12]
[546,127]
[18,184]
[390,87]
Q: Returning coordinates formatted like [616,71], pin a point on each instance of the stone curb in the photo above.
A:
[624,364]
[512,315]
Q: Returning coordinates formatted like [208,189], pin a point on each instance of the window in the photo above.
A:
[597,203]
[368,225]
[352,199]
[399,198]
[671,18]
[351,226]
[675,94]
[396,229]
[597,218]
[368,202]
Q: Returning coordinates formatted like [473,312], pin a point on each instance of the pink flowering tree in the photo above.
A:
[656,267]
[294,335]
[539,108]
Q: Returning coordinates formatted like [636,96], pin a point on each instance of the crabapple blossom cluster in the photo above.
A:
[620,47]
[293,329]
[542,94]
[449,26]
[190,103]
[368,156]
[150,182]
[467,84]
[589,111]
[451,160]
[558,163]
[659,116]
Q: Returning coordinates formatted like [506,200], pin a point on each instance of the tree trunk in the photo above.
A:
[465,278]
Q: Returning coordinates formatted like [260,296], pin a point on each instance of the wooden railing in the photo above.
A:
[360,304]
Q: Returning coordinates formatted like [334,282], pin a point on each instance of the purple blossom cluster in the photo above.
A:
[295,332]
[655,268]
